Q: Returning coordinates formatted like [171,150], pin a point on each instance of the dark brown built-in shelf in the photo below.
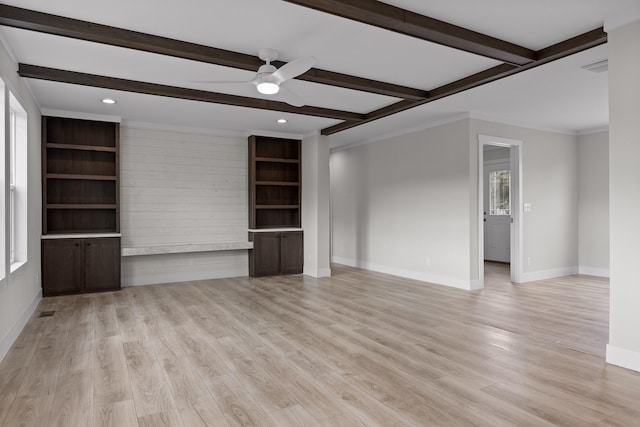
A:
[80,198]
[274,182]
[80,176]
[278,183]
[276,160]
[78,206]
[81,147]
[274,203]
[277,206]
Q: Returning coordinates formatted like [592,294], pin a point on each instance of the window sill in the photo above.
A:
[17,265]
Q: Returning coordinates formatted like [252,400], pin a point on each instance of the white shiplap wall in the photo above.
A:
[182,188]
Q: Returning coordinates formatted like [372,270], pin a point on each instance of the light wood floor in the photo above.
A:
[356,349]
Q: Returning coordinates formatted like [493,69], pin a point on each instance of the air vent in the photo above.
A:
[598,67]
[46,313]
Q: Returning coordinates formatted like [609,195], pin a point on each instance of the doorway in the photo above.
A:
[499,204]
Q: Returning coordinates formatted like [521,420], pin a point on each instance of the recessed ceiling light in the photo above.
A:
[108,101]
[282,121]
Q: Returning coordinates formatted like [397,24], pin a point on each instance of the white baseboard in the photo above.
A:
[11,336]
[549,274]
[622,357]
[409,274]
[594,271]
[317,272]
[157,279]
[475,285]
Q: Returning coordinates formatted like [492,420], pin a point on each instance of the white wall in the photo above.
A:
[315,205]
[408,205]
[593,200]
[20,294]
[624,195]
[550,185]
[178,188]
[402,205]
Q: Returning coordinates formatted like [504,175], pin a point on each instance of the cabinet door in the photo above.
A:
[62,266]
[291,252]
[102,264]
[265,254]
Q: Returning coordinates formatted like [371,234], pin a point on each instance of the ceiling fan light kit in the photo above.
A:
[269,79]
[267,87]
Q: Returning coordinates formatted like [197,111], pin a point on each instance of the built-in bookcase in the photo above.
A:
[80,176]
[274,182]
[275,206]
[80,206]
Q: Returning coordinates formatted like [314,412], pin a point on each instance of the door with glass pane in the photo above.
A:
[497,212]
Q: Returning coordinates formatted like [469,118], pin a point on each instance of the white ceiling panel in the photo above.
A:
[560,95]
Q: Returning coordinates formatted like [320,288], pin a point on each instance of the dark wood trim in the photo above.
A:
[573,45]
[358,83]
[82,30]
[406,22]
[72,77]
[474,80]
[549,54]
[368,11]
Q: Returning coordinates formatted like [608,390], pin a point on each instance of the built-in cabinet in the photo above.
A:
[80,200]
[275,206]
[78,265]
[276,253]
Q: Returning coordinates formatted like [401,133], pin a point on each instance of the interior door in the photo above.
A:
[497,212]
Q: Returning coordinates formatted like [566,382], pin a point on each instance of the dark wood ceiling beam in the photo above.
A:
[403,21]
[105,82]
[82,30]
[358,83]
[461,85]
[570,46]
[549,54]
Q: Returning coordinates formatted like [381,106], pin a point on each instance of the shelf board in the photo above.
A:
[81,177]
[279,183]
[270,228]
[68,233]
[80,206]
[82,147]
[277,206]
[276,160]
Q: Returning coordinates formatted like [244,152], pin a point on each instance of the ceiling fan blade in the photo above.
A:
[286,95]
[216,82]
[294,69]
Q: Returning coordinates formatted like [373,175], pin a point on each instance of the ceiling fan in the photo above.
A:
[269,79]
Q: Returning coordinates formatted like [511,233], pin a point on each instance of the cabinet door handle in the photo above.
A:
[77,244]
[88,244]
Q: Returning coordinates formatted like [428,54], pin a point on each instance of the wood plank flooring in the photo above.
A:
[357,349]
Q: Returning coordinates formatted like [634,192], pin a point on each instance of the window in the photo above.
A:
[16,214]
[500,192]
[4,240]
[12,185]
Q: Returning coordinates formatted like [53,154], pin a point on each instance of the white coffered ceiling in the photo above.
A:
[559,95]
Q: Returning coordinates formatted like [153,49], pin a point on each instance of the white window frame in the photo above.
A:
[16,190]
[12,184]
